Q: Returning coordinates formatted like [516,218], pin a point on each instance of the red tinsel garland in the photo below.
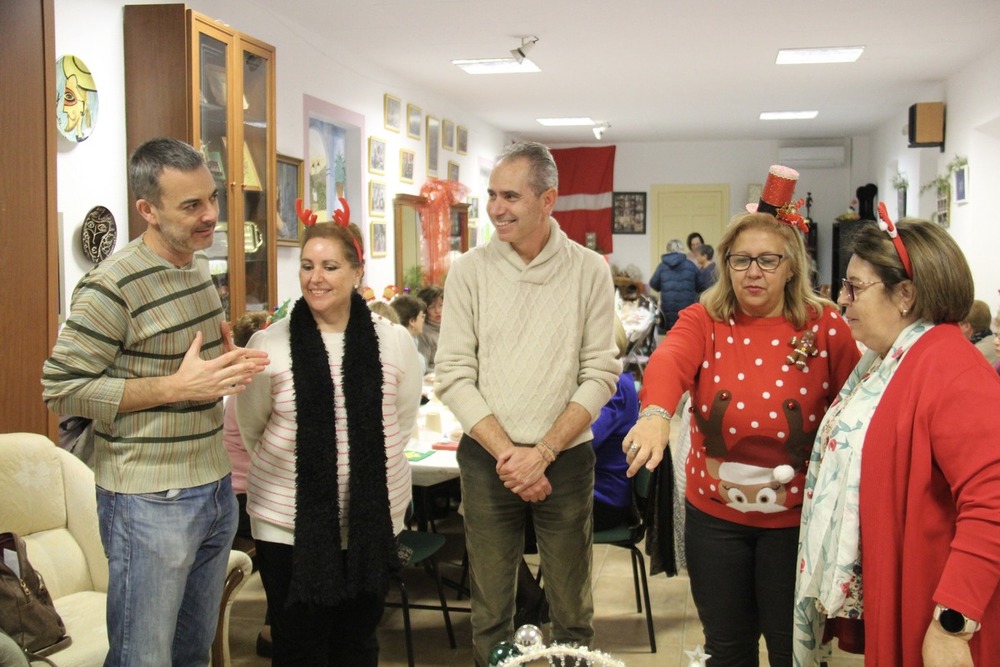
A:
[436,219]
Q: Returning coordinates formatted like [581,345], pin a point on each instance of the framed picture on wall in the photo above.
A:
[433,145]
[961,185]
[414,121]
[452,171]
[376,198]
[335,155]
[448,134]
[291,173]
[379,243]
[628,213]
[376,156]
[393,113]
[407,164]
[462,140]
[473,208]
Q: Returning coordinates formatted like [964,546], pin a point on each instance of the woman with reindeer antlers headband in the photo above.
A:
[329,483]
[763,358]
[899,552]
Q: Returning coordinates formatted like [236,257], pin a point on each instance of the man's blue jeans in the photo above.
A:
[167,554]
[494,537]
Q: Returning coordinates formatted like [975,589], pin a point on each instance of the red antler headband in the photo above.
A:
[340,217]
[886,225]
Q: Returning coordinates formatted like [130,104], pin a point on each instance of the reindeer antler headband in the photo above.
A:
[340,217]
[886,225]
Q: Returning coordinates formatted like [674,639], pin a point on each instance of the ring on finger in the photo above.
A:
[633,448]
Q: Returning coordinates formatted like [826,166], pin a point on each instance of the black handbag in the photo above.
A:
[27,613]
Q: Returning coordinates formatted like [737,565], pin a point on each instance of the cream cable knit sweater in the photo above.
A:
[520,341]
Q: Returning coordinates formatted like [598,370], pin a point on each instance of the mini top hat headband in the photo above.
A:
[886,225]
[776,198]
[340,217]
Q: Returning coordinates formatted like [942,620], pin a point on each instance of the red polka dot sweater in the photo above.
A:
[759,390]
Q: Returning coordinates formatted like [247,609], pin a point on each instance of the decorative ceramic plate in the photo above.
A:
[76,110]
[99,234]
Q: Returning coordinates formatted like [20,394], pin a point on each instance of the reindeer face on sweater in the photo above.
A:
[753,471]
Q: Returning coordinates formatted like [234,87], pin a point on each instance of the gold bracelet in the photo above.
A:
[655,411]
[547,448]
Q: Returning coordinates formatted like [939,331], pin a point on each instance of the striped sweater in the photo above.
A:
[267,419]
[135,316]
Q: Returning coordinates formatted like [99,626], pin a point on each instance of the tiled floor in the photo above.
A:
[620,631]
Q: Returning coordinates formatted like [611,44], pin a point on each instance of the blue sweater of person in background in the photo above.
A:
[612,489]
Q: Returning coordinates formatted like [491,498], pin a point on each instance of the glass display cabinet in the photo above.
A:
[190,77]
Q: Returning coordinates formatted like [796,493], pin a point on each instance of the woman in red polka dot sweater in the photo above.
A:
[763,358]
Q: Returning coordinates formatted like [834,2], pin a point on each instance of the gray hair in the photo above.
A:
[151,158]
[544,174]
[674,245]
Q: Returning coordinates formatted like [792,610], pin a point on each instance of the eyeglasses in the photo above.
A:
[767,262]
[854,288]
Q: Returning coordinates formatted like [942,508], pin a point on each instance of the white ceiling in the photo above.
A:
[660,70]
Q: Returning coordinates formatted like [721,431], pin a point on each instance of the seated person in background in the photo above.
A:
[706,268]
[244,327]
[612,488]
[427,341]
[976,327]
[384,309]
[411,312]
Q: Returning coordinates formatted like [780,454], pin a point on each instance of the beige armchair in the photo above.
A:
[47,497]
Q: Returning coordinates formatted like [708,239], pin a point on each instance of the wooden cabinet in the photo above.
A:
[196,79]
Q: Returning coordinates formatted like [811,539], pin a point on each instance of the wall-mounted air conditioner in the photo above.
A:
[812,157]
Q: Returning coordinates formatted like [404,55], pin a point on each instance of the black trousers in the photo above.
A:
[314,635]
[743,584]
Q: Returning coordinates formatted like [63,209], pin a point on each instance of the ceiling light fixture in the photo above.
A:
[527,43]
[788,115]
[818,56]
[600,129]
[496,66]
[565,122]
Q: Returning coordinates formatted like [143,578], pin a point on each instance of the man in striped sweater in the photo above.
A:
[145,354]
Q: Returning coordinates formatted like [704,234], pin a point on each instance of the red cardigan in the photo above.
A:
[930,500]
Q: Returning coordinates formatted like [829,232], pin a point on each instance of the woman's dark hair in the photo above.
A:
[692,236]
[430,294]
[942,281]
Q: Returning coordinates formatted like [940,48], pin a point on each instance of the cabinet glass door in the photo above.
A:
[256,177]
[213,116]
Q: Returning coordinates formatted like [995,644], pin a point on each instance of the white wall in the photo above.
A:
[638,166]
[94,171]
[972,129]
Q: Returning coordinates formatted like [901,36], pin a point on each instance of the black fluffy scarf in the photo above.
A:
[320,574]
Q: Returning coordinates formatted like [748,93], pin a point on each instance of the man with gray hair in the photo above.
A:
[145,354]
[526,359]
[676,280]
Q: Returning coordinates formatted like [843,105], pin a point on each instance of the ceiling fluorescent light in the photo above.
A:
[834,54]
[496,66]
[788,115]
[564,122]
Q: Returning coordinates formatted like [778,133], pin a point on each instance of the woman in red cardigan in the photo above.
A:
[901,523]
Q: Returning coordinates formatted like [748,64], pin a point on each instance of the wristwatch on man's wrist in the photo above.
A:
[954,622]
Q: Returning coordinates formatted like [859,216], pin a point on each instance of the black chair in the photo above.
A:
[424,546]
[628,536]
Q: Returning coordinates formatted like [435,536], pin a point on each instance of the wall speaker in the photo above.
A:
[926,125]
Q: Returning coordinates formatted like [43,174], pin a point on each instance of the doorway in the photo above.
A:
[678,210]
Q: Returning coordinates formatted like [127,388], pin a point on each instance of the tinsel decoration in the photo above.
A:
[528,646]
